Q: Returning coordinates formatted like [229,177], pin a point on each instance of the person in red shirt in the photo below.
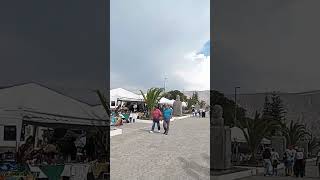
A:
[156,115]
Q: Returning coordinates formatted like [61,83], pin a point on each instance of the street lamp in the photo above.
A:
[235,105]
[165,79]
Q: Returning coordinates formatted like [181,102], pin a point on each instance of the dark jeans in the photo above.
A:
[299,168]
[132,120]
[166,124]
[154,123]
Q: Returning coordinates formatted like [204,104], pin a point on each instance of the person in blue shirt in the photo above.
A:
[167,114]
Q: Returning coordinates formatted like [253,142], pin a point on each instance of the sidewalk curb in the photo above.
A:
[236,175]
[115,132]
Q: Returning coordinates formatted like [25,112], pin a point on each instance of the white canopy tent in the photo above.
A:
[170,102]
[39,106]
[166,101]
[33,97]
[184,104]
[124,95]
[238,136]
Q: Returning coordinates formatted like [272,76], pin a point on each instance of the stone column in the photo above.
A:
[221,141]
[177,107]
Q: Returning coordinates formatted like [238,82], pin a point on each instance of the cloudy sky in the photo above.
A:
[264,45]
[151,40]
[60,44]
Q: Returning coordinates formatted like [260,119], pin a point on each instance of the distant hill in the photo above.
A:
[203,95]
[302,107]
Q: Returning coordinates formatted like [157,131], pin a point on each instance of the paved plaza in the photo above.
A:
[183,154]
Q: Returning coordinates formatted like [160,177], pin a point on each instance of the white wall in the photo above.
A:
[7,121]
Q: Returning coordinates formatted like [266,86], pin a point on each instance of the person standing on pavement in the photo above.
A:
[275,161]
[156,115]
[299,167]
[287,163]
[291,157]
[167,115]
[266,155]
[204,113]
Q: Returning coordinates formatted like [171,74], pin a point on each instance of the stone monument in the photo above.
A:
[279,144]
[177,107]
[221,141]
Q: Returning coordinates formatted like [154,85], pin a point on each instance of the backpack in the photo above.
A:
[156,114]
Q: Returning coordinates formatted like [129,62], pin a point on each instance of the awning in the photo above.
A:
[238,136]
[124,95]
[60,121]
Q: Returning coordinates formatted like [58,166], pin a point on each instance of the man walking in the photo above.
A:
[266,155]
[167,114]
[275,161]
[156,115]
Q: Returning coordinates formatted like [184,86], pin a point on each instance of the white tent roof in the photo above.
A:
[184,104]
[125,95]
[164,100]
[43,105]
[170,102]
[238,136]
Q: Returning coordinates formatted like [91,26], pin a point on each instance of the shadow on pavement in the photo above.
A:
[193,169]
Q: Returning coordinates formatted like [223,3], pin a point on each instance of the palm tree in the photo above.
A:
[99,142]
[295,132]
[254,131]
[152,97]
[313,143]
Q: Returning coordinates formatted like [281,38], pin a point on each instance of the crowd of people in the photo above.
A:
[293,159]
[198,113]
[123,116]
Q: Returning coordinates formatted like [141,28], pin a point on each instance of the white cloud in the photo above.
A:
[150,39]
[196,72]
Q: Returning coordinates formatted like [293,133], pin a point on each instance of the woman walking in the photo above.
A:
[287,163]
[156,115]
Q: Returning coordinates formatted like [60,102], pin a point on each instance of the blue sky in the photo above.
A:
[205,50]
[152,40]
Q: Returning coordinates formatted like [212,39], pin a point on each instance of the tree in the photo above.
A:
[274,110]
[152,98]
[254,131]
[193,100]
[277,110]
[173,95]
[313,143]
[202,103]
[266,114]
[228,107]
[195,97]
[294,133]
[98,143]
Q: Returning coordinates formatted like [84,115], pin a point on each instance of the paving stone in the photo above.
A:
[183,154]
